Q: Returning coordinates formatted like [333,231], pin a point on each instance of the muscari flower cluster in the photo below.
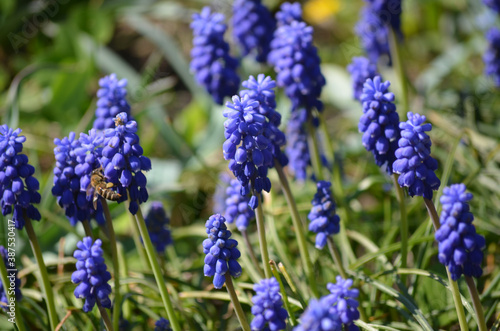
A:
[460,247]
[288,13]
[491,57]
[124,163]
[493,4]
[297,148]
[334,312]
[248,150]
[414,162]
[361,69]
[17,282]
[379,122]
[18,187]
[221,251]
[324,220]
[213,67]
[162,324]
[262,90]
[374,34]
[112,101]
[157,223]
[268,306]
[253,27]
[237,209]
[91,274]
[389,11]
[67,182]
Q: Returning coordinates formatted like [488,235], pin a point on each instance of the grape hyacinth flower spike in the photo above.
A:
[491,57]
[157,223]
[211,63]
[324,220]
[221,251]
[162,324]
[374,34]
[124,163]
[493,5]
[248,150]
[18,187]
[460,247]
[253,27]
[112,101]
[91,274]
[345,299]
[288,13]
[414,163]
[361,69]
[268,306]
[237,209]
[379,122]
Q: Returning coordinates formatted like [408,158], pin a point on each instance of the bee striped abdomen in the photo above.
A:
[108,194]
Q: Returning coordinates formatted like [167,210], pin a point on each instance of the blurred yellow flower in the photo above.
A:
[318,11]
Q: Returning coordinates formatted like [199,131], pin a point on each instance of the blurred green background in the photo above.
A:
[52,54]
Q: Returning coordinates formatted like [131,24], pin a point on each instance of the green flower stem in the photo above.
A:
[5,280]
[116,266]
[476,302]
[314,149]
[462,320]
[276,275]
[46,288]
[398,63]
[87,228]
[285,273]
[151,253]
[127,308]
[298,228]
[336,257]
[251,252]
[236,303]
[259,215]
[137,241]
[105,317]
[404,225]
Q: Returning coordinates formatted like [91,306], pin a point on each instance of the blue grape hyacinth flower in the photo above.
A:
[374,34]
[253,27]
[268,306]
[67,183]
[389,12]
[379,122]
[262,90]
[493,4]
[361,69]
[297,65]
[491,57]
[221,251]
[414,162]
[124,163]
[18,187]
[237,209]
[111,101]
[288,13]
[297,148]
[12,275]
[324,220]
[162,324]
[91,274]
[460,247]
[334,312]
[211,63]
[248,150]
[157,223]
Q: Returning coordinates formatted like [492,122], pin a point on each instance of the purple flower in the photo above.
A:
[493,4]
[297,148]
[324,220]
[374,34]
[91,274]
[379,122]
[268,306]
[491,57]
[12,277]
[288,13]
[414,162]
[345,299]
[157,223]
[211,63]
[222,253]
[237,208]
[361,69]
[253,27]
[112,101]
[124,163]
[162,324]
[18,187]
[460,247]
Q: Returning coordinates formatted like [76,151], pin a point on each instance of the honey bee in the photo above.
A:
[101,187]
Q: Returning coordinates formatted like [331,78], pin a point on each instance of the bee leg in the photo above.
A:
[96,197]
[109,185]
